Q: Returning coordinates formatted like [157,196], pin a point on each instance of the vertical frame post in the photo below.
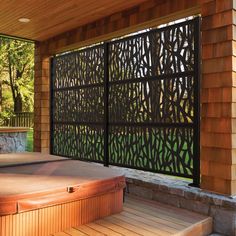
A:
[197,78]
[106,103]
[52,74]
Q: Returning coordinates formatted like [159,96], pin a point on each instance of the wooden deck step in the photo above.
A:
[147,218]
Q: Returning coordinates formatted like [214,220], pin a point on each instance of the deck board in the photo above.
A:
[88,231]
[147,218]
[75,232]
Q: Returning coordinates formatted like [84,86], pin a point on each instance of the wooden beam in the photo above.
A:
[146,15]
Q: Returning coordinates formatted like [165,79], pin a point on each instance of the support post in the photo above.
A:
[106,104]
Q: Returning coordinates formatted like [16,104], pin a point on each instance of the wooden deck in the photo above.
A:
[147,218]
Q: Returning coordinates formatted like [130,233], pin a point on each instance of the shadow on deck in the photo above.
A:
[147,218]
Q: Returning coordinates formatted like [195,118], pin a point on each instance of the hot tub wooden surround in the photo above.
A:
[43,194]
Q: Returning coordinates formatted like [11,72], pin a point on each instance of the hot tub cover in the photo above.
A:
[32,182]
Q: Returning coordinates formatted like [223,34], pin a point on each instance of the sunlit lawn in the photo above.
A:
[29,147]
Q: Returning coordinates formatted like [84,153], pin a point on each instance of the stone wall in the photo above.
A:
[12,142]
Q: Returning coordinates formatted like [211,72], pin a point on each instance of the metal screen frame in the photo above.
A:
[107,84]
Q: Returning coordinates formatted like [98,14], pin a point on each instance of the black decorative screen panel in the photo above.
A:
[152,148]
[154,101]
[132,102]
[78,105]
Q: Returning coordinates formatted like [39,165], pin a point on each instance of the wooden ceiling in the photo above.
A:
[52,17]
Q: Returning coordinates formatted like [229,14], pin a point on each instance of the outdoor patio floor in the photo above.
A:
[148,218]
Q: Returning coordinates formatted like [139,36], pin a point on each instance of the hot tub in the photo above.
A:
[44,194]
[13,139]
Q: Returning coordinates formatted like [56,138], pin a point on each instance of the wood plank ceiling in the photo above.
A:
[49,17]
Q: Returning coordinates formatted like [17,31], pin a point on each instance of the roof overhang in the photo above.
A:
[48,18]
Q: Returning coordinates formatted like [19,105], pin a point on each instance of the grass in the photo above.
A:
[170,155]
[29,147]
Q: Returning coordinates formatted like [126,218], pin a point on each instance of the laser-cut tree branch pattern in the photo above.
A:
[150,105]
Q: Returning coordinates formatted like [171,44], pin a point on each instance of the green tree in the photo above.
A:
[16,72]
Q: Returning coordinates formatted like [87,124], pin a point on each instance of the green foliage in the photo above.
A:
[29,147]
[16,76]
